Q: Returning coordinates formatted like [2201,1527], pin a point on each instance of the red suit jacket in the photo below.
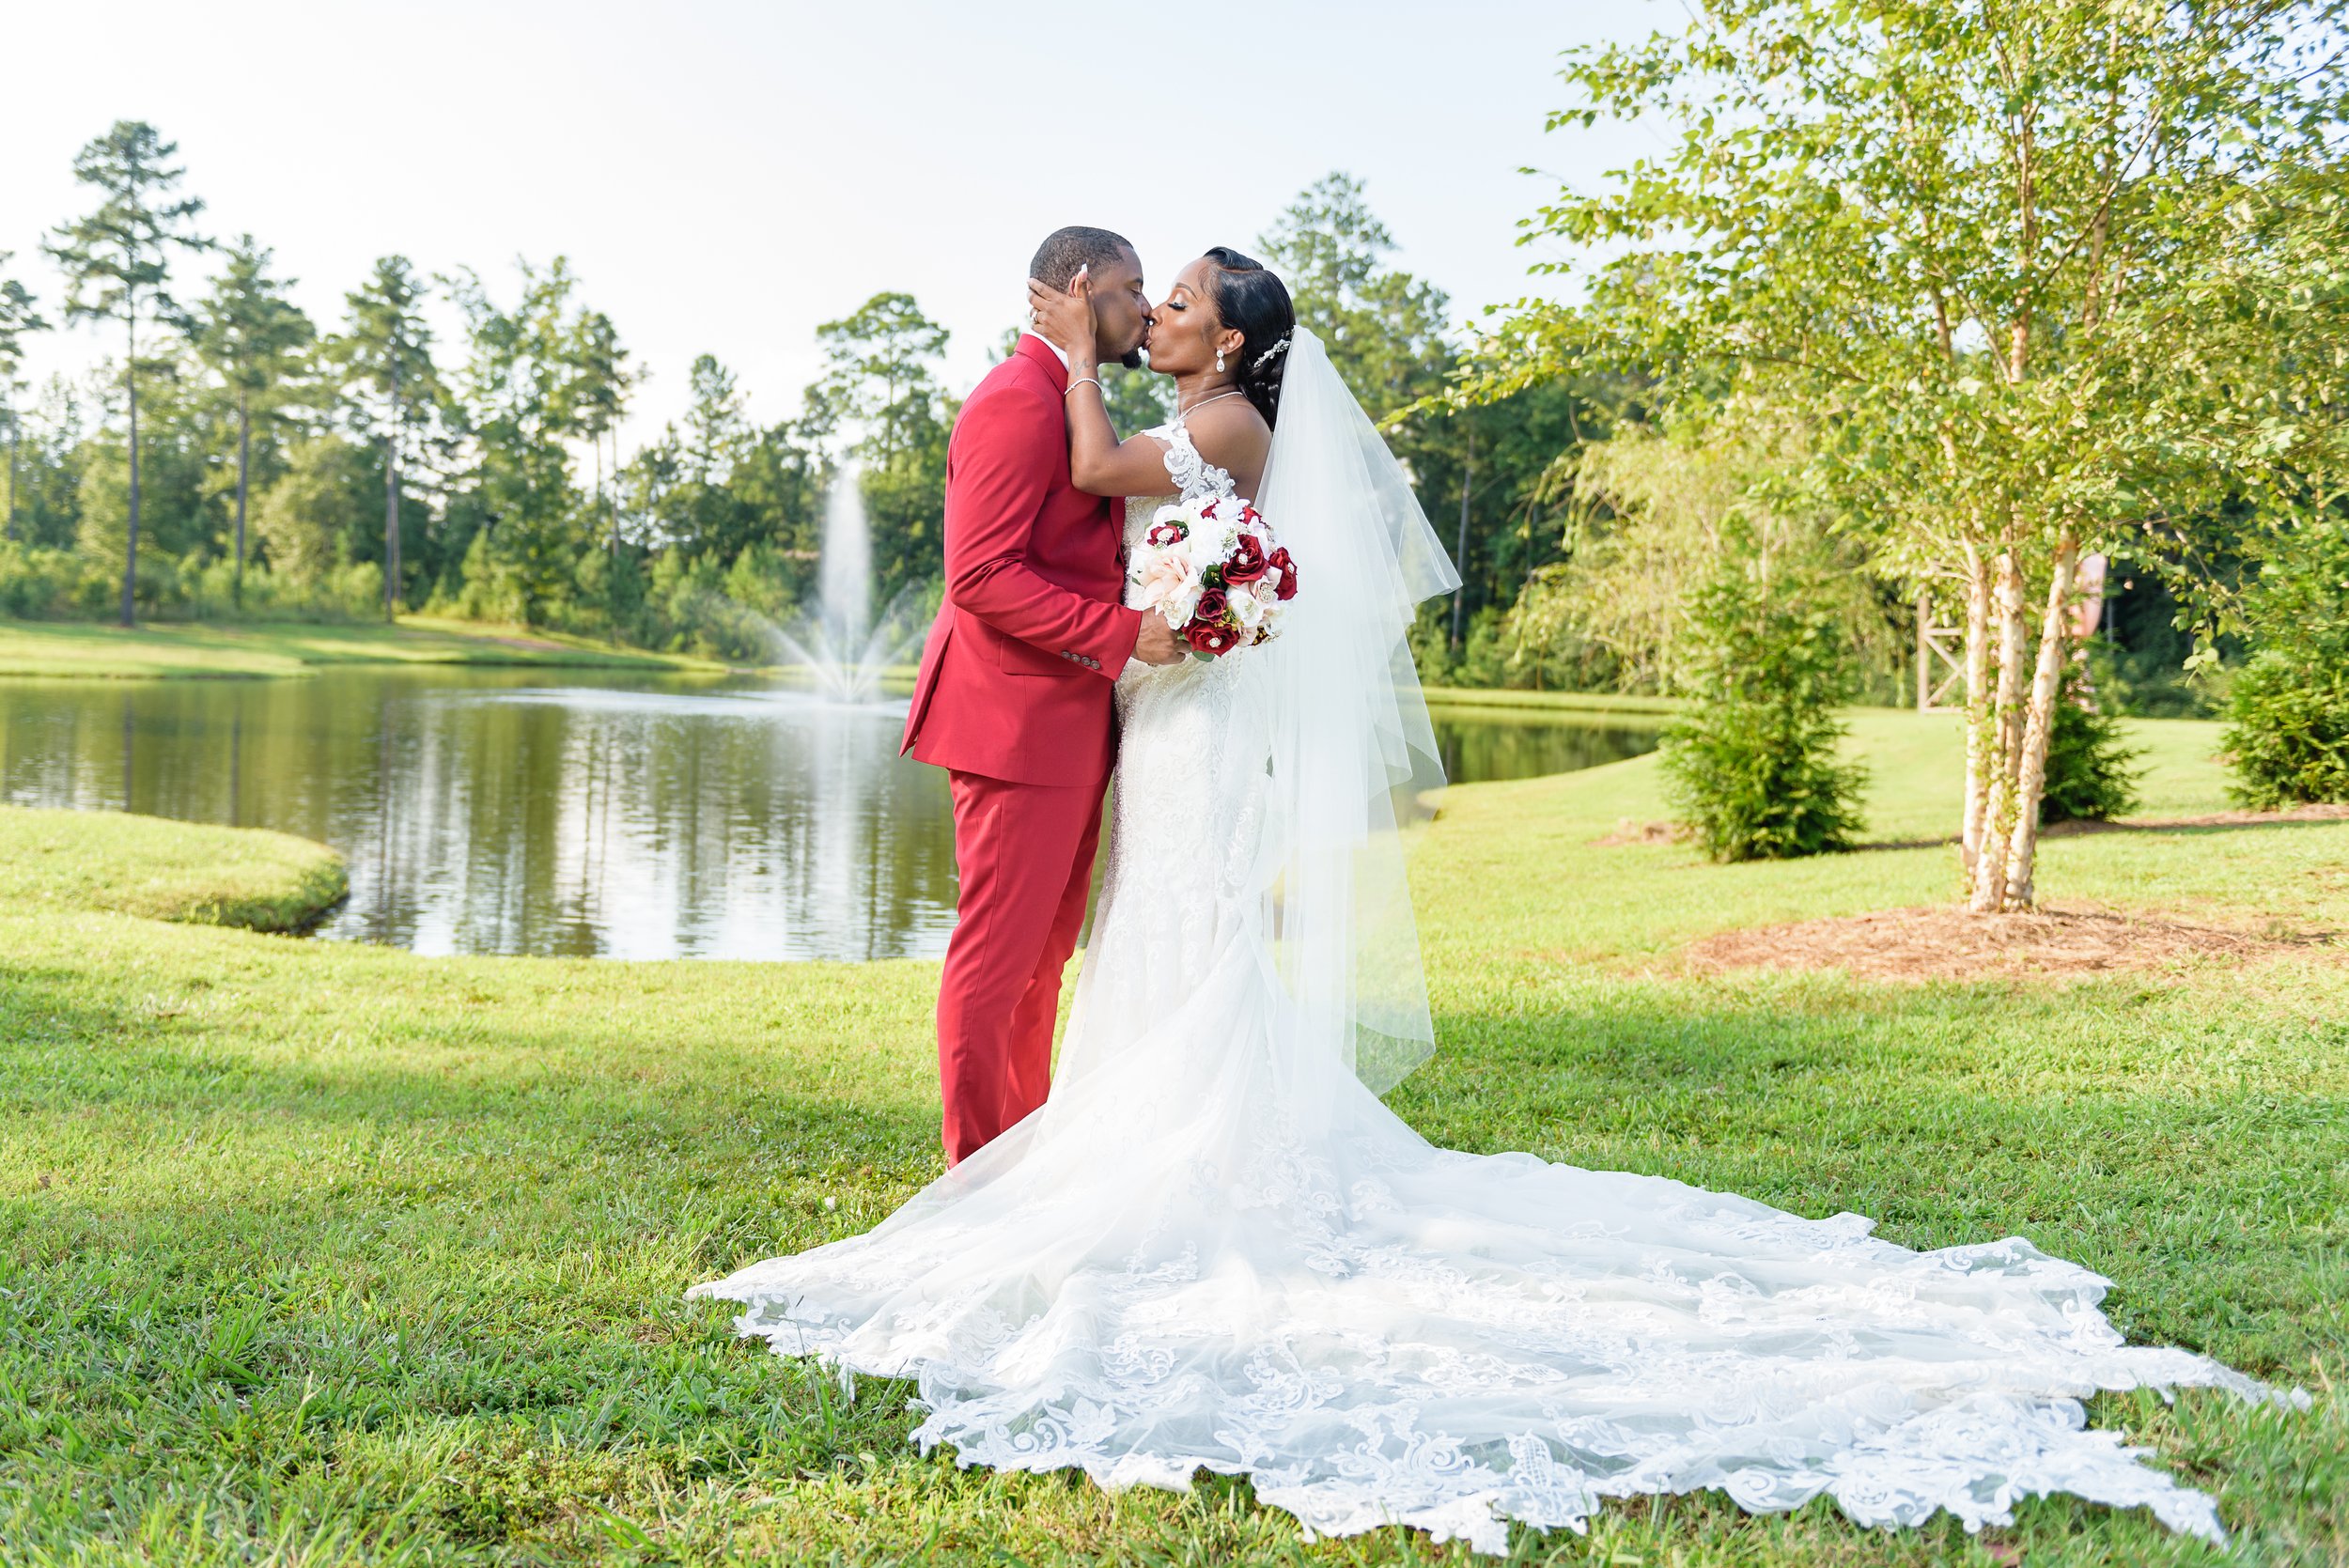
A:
[1015,681]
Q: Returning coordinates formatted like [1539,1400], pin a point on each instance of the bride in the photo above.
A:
[1214,1247]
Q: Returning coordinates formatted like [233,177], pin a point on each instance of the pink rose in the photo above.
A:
[1162,579]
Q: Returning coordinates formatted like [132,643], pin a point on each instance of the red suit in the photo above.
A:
[1014,700]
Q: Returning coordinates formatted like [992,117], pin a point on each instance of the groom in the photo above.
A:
[1013,698]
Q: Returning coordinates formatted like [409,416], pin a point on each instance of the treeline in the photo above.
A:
[235,458]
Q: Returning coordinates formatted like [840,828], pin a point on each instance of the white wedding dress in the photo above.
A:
[1216,1249]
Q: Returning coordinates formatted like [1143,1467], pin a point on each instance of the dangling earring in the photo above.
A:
[1218,359]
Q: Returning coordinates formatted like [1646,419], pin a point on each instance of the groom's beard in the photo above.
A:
[1130,359]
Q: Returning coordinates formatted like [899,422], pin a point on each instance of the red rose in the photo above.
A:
[1247,563]
[1163,534]
[1208,510]
[1211,639]
[1287,569]
[1211,606]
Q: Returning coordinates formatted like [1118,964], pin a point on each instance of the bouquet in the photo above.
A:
[1214,570]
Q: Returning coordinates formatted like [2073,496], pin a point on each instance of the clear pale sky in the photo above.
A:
[725,175]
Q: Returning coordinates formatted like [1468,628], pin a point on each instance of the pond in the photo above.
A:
[587,812]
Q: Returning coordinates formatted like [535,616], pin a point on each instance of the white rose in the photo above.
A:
[1245,605]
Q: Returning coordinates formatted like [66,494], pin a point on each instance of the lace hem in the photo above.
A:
[1431,1339]
[1974,1458]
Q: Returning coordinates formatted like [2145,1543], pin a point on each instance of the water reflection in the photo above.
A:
[497,813]
[1479,745]
[487,811]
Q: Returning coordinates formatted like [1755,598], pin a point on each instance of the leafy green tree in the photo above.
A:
[2287,737]
[384,355]
[1387,332]
[596,397]
[880,371]
[48,476]
[881,377]
[2049,277]
[251,335]
[317,516]
[520,412]
[117,267]
[684,480]
[180,435]
[17,319]
[1486,475]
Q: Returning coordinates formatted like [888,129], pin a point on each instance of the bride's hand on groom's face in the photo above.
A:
[1064,317]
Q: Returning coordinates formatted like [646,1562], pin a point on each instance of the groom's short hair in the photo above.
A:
[1064,250]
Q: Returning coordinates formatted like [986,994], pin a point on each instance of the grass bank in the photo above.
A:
[214,651]
[320,1254]
[1500,699]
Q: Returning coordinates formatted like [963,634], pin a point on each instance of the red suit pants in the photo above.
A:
[1024,853]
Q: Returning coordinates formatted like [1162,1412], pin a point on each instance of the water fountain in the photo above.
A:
[843,648]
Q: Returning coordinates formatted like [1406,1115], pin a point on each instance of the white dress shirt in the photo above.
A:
[1058,352]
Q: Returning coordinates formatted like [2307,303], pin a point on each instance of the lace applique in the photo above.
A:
[1193,475]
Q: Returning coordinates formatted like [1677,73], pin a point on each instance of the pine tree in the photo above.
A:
[249,332]
[117,267]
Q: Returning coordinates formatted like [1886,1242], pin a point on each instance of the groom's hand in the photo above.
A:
[1158,643]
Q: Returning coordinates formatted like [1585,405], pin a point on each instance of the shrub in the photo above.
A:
[2287,737]
[2091,769]
[54,584]
[66,584]
[1750,765]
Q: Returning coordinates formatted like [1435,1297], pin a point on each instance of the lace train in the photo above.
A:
[1377,1331]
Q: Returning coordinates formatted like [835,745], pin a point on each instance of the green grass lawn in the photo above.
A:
[210,650]
[317,1253]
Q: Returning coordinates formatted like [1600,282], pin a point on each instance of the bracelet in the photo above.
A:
[1087,380]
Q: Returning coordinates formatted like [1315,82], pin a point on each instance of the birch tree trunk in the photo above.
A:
[1987,894]
[2031,770]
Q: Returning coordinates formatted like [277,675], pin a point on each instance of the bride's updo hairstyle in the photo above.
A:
[1251,296]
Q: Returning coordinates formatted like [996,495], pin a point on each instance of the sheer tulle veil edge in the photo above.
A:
[1353,749]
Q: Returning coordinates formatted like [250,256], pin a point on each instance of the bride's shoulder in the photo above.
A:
[1230,434]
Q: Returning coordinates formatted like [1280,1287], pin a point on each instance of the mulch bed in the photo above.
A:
[1946,943]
